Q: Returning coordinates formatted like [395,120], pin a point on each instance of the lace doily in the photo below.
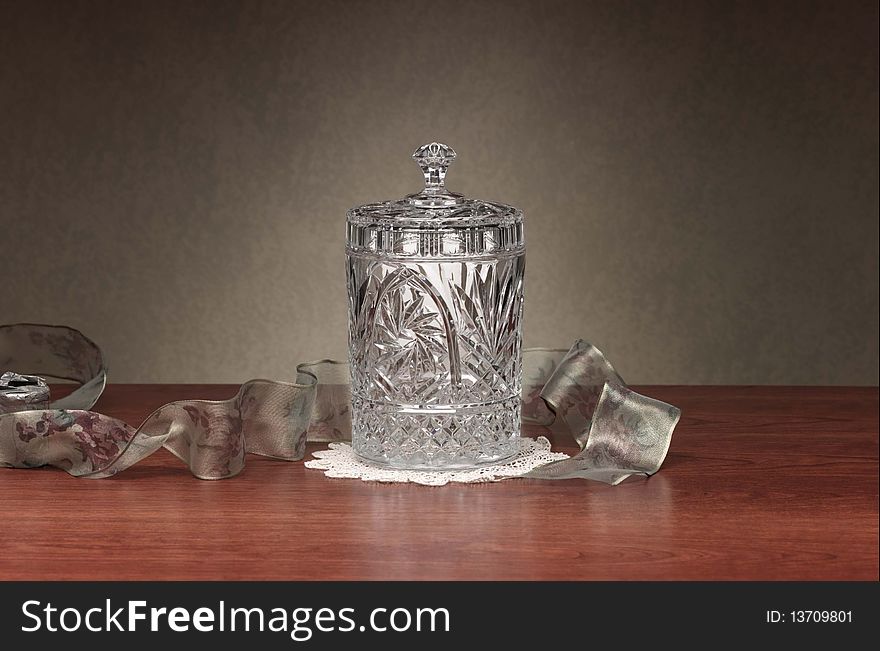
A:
[340,461]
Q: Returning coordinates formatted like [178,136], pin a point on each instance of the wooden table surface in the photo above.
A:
[760,483]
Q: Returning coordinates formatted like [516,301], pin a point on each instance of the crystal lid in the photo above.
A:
[435,222]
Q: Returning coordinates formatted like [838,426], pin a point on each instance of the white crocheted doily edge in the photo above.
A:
[340,462]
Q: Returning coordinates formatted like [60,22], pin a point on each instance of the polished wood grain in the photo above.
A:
[760,483]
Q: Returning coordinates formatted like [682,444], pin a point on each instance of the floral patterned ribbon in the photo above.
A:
[619,431]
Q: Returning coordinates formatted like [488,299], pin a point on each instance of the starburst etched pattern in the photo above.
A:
[435,356]
[488,304]
[409,348]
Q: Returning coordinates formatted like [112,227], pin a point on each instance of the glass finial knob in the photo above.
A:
[434,158]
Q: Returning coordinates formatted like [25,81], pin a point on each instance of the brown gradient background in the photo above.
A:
[699,179]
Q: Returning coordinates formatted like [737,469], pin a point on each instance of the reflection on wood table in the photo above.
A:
[760,483]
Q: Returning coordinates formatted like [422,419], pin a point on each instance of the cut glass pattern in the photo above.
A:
[435,328]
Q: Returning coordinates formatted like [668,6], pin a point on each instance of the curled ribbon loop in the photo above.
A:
[55,352]
[620,432]
[211,436]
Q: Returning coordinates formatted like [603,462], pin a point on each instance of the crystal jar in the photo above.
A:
[435,291]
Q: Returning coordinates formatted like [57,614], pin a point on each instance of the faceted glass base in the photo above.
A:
[435,438]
